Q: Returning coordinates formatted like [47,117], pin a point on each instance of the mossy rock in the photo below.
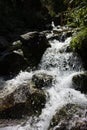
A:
[79,44]
[67,117]
[79,82]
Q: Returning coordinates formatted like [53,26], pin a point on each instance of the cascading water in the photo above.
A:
[62,66]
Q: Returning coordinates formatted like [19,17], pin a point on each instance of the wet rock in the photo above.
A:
[55,36]
[68,118]
[33,45]
[65,35]
[11,63]
[16,45]
[80,125]
[20,101]
[80,82]
[27,51]
[42,80]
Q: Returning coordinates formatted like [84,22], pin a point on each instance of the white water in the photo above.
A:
[62,66]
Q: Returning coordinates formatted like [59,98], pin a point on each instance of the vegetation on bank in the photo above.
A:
[79,44]
[79,41]
[77,17]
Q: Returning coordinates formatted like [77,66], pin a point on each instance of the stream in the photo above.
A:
[62,65]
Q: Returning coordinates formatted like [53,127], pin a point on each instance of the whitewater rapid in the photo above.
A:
[62,66]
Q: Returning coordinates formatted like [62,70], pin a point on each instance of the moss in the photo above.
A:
[76,16]
[78,40]
[79,44]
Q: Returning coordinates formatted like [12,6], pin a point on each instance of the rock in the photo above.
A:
[23,53]
[80,82]
[11,63]
[4,44]
[80,125]
[33,45]
[65,35]
[68,118]
[21,100]
[42,80]
[79,44]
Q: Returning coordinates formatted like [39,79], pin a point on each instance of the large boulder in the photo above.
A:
[33,45]
[69,117]
[11,63]
[79,82]
[23,53]
[21,100]
[42,80]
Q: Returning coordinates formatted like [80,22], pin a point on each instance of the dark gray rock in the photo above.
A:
[79,82]
[42,80]
[21,100]
[69,117]
[12,63]
[34,45]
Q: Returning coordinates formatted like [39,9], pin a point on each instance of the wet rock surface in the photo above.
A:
[69,117]
[18,101]
[80,82]
[42,80]
[61,33]
[34,45]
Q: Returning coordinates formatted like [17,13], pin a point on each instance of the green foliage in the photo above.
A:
[79,41]
[77,16]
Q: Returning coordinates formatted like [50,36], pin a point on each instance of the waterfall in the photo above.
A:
[62,65]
